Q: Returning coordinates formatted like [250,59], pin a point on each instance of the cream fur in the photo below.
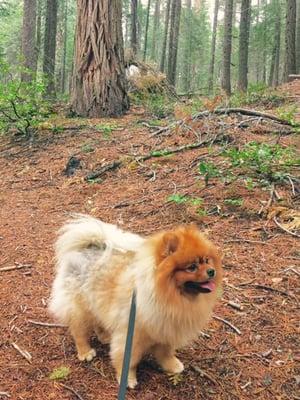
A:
[98,266]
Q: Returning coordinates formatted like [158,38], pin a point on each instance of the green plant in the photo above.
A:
[22,106]
[107,129]
[237,202]
[178,198]
[288,114]
[258,94]
[87,148]
[196,202]
[209,170]
[60,373]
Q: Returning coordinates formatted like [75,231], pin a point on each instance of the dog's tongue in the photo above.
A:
[208,285]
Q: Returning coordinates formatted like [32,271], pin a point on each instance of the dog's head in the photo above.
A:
[187,262]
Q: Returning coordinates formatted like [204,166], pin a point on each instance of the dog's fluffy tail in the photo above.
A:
[83,232]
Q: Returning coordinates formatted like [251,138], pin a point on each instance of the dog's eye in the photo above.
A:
[192,268]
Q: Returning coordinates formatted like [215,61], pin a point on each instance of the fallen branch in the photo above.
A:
[236,306]
[284,229]
[13,267]
[228,324]
[153,154]
[243,111]
[71,390]
[4,394]
[24,353]
[269,289]
[201,372]
[46,324]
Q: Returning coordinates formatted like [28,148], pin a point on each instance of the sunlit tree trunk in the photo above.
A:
[29,52]
[99,84]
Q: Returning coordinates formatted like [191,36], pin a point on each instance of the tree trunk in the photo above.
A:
[213,48]
[99,84]
[244,44]
[64,51]
[275,58]
[146,30]
[187,51]
[290,39]
[38,30]
[165,39]
[173,41]
[298,38]
[227,44]
[50,46]
[29,52]
[155,30]
[133,36]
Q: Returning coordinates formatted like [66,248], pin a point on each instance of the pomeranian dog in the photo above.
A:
[176,275]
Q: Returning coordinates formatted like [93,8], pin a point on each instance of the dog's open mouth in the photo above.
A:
[199,287]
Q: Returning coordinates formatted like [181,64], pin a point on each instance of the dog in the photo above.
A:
[176,274]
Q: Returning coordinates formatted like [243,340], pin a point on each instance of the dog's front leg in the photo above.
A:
[165,356]
[117,347]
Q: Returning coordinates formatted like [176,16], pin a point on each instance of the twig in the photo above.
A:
[245,241]
[13,267]
[205,374]
[47,324]
[284,229]
[236,306]
[228,323]
[24,353]
[293,270]
[4,394]
[71,390]
[292,184]
[270,289]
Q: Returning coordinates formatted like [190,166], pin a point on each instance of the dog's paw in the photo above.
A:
[132,381]
[87,356]
[172,365]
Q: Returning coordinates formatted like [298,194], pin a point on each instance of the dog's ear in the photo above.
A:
[169,245]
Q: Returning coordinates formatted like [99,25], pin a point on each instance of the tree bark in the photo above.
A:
[186,77]
[50,46]
[298,38]
[155,30]
[244,45]
[64,51]
[275,59]
[165,39]
[213,48]
[133,36]
[146,30]
[227,44]
[173,41]
[99,84]
[290,39]
[29,52]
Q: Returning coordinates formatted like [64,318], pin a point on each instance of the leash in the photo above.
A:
[128,348]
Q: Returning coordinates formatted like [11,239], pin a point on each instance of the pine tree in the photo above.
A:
[29,52]
[244,44]
[227,44]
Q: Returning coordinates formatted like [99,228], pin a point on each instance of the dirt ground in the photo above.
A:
[255,358]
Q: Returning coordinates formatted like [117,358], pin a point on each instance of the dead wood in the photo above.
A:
[153,154]
[76,394]
[228,324]
[46,324]
[13,267]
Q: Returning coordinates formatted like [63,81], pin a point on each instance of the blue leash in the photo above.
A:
[128,348]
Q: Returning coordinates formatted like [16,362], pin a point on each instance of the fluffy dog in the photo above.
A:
[176,275]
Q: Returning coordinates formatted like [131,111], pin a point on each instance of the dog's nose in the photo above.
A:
[211,273]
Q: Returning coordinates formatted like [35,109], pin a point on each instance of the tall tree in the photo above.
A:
[146,30]
[29,52]
[50,45]
[298,38]
[134,19]
[275,57]
[187,46]
[290,39]
[64,50]
[165,37]
[213,47]
[244,44]
[99,84]
[227,45]
[156,21]
[173,41]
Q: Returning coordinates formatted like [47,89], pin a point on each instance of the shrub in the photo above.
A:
[22,106]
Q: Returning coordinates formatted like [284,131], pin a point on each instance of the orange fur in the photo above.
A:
[93,287]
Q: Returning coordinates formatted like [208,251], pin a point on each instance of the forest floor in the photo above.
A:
[256,357]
